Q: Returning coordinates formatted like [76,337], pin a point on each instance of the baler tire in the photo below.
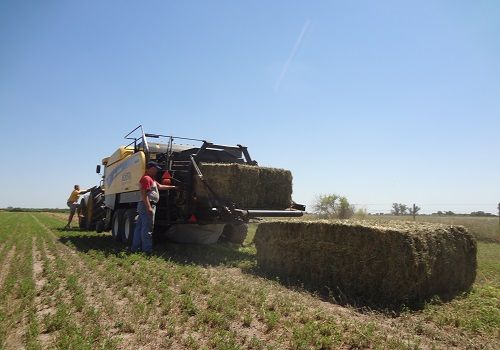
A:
[99,226]
[95,208]
[82,220]
[117,224]
[235,233]
[90,213]
[83,207]
[129,220]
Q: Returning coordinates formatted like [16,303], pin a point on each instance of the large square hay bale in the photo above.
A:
[396,263]
[249,187]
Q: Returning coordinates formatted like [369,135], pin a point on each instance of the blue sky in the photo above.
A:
[380,101]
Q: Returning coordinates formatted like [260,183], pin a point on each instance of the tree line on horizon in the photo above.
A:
[335,206]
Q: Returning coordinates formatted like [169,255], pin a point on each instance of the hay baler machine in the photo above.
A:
[219,189]
[217,196]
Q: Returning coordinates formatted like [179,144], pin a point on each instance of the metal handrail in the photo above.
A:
[144,141]
[127,136]
[206,144]
[134,139]
[174,137]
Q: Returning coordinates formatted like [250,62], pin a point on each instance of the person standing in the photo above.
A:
[146,208]
[73,204]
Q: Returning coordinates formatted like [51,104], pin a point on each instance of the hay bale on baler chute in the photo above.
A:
[249,187]
[390,264]
[275,189]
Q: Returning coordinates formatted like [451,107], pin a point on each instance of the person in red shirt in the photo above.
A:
[150,195]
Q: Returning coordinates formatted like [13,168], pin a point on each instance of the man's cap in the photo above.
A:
[153,164]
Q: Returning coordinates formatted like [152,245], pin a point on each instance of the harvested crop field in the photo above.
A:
[81,290]
[392,264]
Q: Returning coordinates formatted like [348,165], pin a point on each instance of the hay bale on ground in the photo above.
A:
[390,264]
[250,187]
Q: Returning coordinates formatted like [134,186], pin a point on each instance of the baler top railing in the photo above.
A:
[134,139]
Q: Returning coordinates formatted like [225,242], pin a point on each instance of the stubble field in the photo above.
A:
[81,290]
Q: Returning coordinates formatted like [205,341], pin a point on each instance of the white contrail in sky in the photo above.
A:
[292,54]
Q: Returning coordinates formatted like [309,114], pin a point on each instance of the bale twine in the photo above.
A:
[396,263]
[249,187]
